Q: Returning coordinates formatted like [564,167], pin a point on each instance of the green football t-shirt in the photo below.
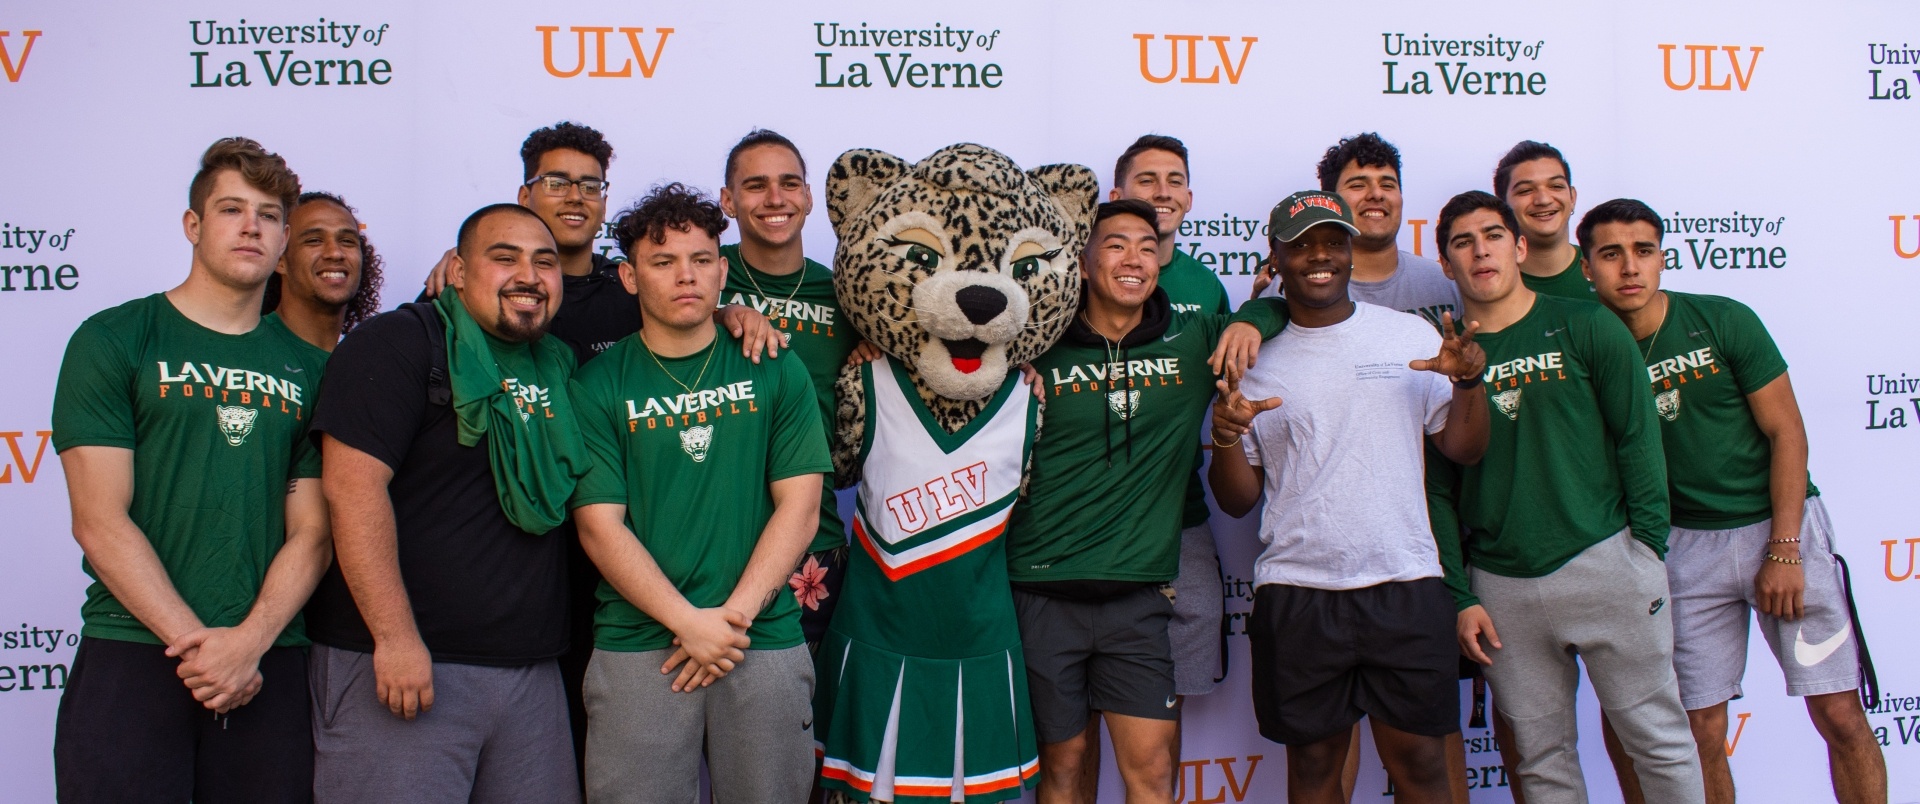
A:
[1708,354]
[1118,437]
[217,424]
[1193,288]
[803,305]
[692,464]
[1570,283]
[1573,449]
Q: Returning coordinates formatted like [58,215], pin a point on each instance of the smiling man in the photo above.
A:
[766,191]
[1736,454]
[705,490]
[329,279]
[1535,180]
[1566,519]
[1349,613]
[181,419]
[451,450]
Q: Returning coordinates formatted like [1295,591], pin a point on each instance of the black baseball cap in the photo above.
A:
[1303,210]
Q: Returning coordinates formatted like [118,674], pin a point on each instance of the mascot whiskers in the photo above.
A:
[959,267]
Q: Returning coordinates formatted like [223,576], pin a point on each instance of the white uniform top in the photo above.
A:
[943,494]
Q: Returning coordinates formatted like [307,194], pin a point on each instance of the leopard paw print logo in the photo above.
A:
[1668,403]
[236,422]
[696,441]
[1509,403]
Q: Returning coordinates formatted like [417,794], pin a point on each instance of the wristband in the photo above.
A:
[1787,561]
[1468,385]
[1215,436]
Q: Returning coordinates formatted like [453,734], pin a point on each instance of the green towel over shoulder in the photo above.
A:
[516,395]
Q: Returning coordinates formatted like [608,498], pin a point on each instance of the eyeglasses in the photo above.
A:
[556,186]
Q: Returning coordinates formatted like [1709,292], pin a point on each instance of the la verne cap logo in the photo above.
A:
[1300,211]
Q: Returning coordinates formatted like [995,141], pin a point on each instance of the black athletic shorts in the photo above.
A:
[1109,655]
[129,730]
[1323,658]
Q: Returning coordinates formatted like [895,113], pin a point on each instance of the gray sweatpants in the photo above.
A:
[755,726]
[494,734]
[1608,606]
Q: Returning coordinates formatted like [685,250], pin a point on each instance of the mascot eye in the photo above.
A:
[1026,267]
[925,258]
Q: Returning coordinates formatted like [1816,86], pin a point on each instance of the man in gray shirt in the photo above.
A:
[1346,532]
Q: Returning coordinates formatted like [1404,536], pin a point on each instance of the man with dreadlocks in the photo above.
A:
[328,280]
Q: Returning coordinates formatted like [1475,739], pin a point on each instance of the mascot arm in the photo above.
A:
[849,425]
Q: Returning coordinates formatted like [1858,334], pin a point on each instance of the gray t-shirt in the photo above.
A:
[1417,286]
[1346,503]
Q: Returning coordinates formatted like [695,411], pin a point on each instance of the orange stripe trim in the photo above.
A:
[911,567]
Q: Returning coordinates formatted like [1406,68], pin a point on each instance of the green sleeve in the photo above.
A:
[1626,406]
[798,445]
[1443,512]
[606,481]
[93,396]
[306,453]
[1269,315]
[1753,356]
[1221,305]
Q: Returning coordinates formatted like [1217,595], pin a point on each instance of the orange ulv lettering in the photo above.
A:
[1897,250]
[1735,742]
[1889,544]
[6,60]
[1173,66]
[647,66]
[27,470]
[546,50]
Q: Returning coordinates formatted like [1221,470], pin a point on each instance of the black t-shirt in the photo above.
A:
[483,591]
[596,311]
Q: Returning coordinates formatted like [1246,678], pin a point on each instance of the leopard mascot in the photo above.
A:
[960,268]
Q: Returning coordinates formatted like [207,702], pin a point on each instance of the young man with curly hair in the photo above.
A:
[704,492]
[329,279]
[181,421]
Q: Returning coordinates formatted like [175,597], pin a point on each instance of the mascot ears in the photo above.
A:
[860,175]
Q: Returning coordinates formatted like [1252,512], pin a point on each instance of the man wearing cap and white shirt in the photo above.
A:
[1350,610]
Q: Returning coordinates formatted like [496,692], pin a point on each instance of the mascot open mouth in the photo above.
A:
[965,353]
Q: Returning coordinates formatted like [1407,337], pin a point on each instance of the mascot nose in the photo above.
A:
[980,304]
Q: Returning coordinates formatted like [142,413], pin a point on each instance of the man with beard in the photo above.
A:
[1349,615]
[181,419]
[329,279]
[451,449]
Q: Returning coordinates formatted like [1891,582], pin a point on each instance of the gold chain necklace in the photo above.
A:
[1647,353]
[799,280]
[711,348]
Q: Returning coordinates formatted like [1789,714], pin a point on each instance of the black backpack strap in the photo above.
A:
[439,387]
[1869,680]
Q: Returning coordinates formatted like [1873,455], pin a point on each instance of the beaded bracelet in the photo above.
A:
[1794,540]
[1788,561]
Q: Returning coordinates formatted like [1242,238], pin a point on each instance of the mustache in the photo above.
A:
[525,289]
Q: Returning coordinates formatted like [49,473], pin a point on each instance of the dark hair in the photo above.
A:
[667,206]
[1367,150]
[263,171]
[365,302]
[564,134]
[1620,210]
[1127,206]
[758,137]
[1468,202]
[472,223]
[1150,142]
[1526,151]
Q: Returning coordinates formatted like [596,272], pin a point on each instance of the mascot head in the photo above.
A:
[960,266]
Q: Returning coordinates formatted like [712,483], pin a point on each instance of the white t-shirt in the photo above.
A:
[1346,501]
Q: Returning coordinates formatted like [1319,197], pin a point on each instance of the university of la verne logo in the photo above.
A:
[696,440]
[1509,403]
[236,422]
[1125,403]
[1668,403]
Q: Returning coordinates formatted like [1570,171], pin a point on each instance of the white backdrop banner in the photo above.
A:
[1773,140]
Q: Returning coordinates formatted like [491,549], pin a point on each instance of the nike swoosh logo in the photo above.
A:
[1553,332]
[806,724]
[1811,654]
[1172,700]
[1166,338]
[1695,333]
[292,369]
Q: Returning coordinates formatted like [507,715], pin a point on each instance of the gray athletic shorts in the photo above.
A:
[1711,572]
[1198,606]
